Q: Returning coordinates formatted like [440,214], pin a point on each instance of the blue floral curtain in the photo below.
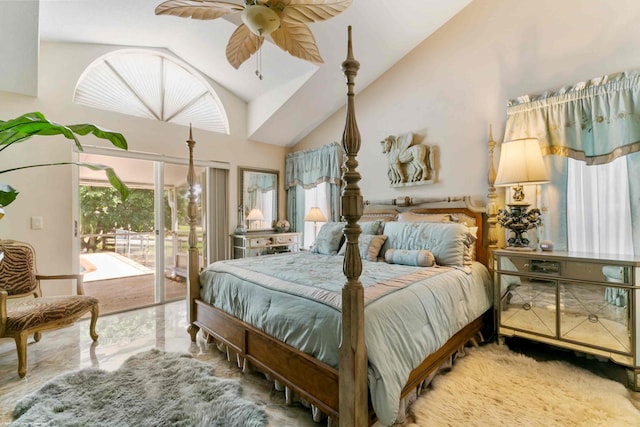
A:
[595,121]
[306,169]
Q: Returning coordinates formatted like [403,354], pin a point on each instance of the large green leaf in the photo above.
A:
[7,194]
[33,124]
[111,175]
[114,137]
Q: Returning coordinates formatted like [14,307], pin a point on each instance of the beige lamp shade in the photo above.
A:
[315,215]
[255,215]
[521,163]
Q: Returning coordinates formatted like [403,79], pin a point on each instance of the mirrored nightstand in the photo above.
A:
[583,302]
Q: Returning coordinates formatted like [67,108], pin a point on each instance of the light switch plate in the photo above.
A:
[37,223]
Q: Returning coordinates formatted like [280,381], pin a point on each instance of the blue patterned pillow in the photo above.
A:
[328,240]
[450,243]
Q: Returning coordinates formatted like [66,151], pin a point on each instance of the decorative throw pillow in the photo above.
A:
[473,236]
[328,240]
[369,246]
[449,242]
[419,258]
[372,227]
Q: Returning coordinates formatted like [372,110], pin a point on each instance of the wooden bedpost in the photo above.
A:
[193,281]
[492,206]
[353,395]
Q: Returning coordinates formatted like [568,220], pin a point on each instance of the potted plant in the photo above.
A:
[28,125]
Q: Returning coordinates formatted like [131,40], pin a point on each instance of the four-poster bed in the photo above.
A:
[340,392]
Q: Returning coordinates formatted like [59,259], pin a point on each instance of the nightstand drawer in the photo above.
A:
[598,272]
[584,271]
[529,265]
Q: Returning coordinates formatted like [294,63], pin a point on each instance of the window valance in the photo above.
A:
[595,121]
[260,182]
[310,167]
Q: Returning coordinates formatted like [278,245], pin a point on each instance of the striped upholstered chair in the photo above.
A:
[33,313]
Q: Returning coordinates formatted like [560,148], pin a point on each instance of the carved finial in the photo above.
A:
[349,44]
[350,66]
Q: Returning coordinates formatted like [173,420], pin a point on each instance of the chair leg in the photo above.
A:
[95,310]
[21,346]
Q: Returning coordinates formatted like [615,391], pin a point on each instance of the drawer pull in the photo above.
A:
[526,306]
[593,318]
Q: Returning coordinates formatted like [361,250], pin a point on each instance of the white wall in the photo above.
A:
[48,192]
[457,82]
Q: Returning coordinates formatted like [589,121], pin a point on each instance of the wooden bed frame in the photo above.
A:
[342,395]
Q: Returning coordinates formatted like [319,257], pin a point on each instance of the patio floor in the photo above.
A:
[121,284]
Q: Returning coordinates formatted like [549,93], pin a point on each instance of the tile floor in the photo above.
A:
[122,335]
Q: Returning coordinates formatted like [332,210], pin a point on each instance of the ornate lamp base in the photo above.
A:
[518,220]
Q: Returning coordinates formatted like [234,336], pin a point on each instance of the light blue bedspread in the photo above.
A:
[409,311]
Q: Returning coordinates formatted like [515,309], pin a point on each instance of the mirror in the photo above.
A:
[258,195]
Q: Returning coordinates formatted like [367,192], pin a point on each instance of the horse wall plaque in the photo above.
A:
[409,163]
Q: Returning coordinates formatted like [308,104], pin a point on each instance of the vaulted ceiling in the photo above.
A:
[294,96]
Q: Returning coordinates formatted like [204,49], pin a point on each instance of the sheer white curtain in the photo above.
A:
[598,207]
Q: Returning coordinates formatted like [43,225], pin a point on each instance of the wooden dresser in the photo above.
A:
[263,243]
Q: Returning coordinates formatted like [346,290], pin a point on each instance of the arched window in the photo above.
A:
[153,85]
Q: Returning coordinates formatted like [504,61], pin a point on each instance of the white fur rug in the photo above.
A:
[152,388]
[493,386]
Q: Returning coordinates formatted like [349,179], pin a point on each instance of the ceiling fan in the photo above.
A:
[284,20]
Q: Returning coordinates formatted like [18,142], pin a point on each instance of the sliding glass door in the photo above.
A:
[133,252]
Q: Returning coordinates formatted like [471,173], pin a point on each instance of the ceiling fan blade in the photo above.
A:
[313,10]
[242,44]
[197,9]
[296,38]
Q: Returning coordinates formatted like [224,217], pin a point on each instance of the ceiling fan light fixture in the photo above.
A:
[261,20]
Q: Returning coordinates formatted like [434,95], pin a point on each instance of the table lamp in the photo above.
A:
[315,215]
[520,163]
[255,215]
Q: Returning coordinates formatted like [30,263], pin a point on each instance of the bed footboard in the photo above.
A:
[312,380]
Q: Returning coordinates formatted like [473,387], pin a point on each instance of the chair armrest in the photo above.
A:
[3,312]
[79,280]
